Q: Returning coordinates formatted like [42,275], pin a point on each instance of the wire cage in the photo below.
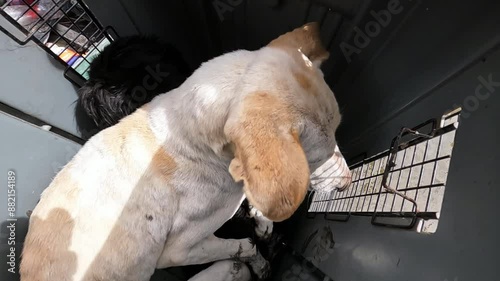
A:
[402,187]
[66,29]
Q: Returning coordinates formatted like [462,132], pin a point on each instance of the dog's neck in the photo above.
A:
[187,120]
[196,112]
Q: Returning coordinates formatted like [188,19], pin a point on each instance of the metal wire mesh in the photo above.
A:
[401,185]
[66,29]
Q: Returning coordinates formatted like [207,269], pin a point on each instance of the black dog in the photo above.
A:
[128,73]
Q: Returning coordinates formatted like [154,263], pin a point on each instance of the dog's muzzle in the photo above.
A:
[333,174]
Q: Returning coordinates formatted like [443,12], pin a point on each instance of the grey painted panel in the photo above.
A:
[459,92]
[120,20]
[33,82]
[435,42]
[35,156]
[170,21]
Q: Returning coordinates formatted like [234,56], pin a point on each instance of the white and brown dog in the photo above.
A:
[150,191]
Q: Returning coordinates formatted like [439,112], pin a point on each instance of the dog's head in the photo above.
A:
[283,128]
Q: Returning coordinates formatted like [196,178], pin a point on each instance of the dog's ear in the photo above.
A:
[268,156]
[307,39]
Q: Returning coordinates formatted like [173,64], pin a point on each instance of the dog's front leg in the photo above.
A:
[208,250]
[226,270]
[263,225]
[215,249]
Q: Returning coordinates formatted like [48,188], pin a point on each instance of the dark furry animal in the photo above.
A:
[241,226]
[128,73]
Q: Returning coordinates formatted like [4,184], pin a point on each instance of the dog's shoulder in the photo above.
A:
[134,143]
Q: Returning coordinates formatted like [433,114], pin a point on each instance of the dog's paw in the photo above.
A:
[263,226]
[264,229]
[260,267]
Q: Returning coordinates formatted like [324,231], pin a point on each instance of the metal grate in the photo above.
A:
[402,187]
[66,29]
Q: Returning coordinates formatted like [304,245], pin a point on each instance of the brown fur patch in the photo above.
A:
[307,39]
[137,126]
[49,257]
[269,158]
[303,81]
[134,125]
[163,164]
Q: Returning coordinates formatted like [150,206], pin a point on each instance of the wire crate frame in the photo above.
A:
[433,128]
[45,24]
